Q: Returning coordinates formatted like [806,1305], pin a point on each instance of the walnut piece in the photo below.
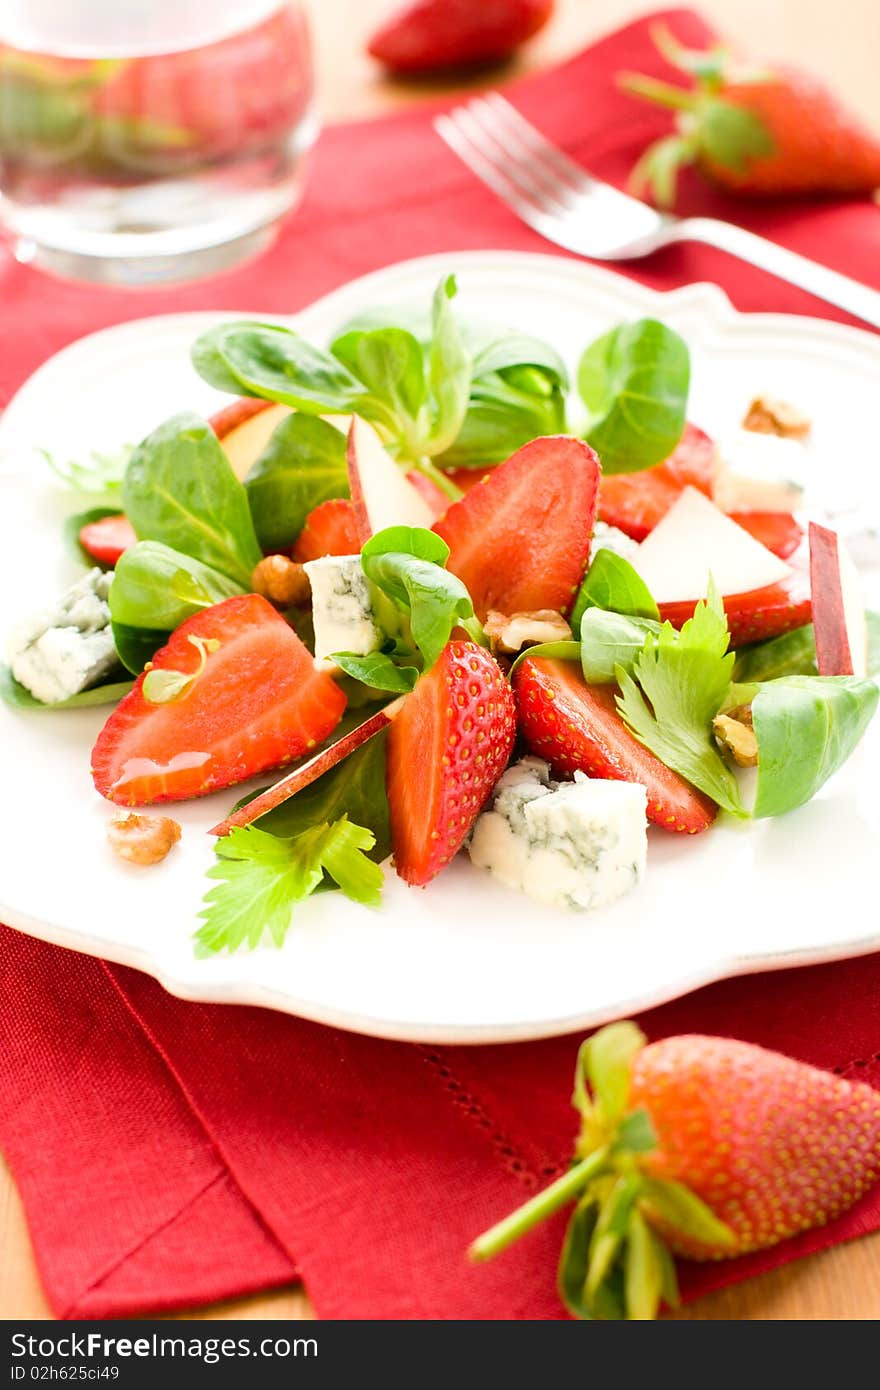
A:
[142,839]
[766,415]
[525,629]
[734,732]
[281,581]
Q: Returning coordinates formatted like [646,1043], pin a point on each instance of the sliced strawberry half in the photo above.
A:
[521,540]
[759,614]
[779,531]
[635,502]
[330,529]
[108,538]
[576,727]
[255,703]
[446,750]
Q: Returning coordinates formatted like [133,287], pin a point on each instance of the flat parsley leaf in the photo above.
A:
[678,684]
[261,877]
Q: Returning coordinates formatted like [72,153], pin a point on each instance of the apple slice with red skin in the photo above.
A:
[757,615]
[244,428]
[380,494]
[310,771]
[838,611]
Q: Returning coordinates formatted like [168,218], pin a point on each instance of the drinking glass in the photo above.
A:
[146,141]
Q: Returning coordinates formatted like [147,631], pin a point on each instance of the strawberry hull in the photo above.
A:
[757,615]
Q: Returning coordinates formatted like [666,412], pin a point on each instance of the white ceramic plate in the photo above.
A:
[464,960]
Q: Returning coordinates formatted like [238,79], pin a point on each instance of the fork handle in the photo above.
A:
[859,300]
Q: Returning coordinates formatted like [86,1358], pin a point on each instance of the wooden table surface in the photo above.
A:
[843,1283]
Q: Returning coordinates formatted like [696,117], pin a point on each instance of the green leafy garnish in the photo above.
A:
[678,683]
[611,582]
[162,686]
[156,586]
[378,670]
[179,489]
[302,465]
[14,694]
[806,727]
[260,878]
[634,382]
[354,787]
[415,394]
[100,476]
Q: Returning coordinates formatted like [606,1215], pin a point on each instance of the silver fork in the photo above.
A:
[569,207]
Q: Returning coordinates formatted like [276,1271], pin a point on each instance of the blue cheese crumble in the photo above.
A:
[578,844]
[342,608]
[607,537]
[62,650]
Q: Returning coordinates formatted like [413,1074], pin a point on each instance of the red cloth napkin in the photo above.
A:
[172,1153]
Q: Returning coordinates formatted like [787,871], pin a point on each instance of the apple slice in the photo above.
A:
[838,610]
[310,771]
[695,539]
[380,494]
[244,428]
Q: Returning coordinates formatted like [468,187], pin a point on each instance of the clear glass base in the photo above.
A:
[142,269]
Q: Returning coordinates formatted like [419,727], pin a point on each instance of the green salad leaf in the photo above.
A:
[135,646]
[99,477]
[432,600]
[354,787]
[180,489]
[634,382]
[15,695]
[302,465]
[610,641]
[449,370]
[263,359]
[517,394]
[260,878]
[677,686]
[378,671]
[806,727]
[612,583]
[157,587]
[794,654]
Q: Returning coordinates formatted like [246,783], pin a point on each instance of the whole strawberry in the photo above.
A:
[705,1147]
[767,132]
[428,35]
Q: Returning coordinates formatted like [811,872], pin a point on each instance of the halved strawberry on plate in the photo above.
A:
[447,747]
[520,540]
[330,529]
[234,693]
[577,728]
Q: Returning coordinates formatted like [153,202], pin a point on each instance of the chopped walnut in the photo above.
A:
[525,629]
[766,415]
[281,581]
[734,732]
[142,839]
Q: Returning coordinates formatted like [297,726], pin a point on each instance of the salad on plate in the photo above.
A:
[426,596]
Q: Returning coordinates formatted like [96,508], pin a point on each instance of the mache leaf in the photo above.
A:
[634,382]
[302,465]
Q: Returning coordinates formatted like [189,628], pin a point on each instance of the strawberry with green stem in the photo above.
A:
[752,131]
[694,1146]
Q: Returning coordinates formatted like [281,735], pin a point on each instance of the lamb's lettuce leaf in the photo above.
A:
[611,640]
[612,583]
[179,489]
[634,382]
[806,727]
[302,465]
